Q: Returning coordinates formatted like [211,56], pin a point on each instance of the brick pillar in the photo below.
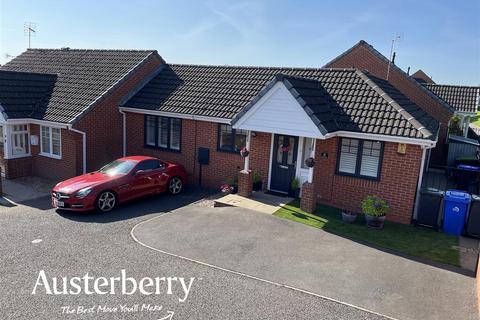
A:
[308,202]
[245,183]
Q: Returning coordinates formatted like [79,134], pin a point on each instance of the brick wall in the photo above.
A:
[57,169]
[362,58]
[18,167]
[223,165]
[397,184]
[103,124]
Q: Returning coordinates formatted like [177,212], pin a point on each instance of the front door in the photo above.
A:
[284,161]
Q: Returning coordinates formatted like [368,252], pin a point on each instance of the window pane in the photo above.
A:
[45,137]
[226,137]
[148,165]
[291,150]
[240,139]
[175,133]
[26,143]
[19,143]
[370,159]
[56,145]
[307,150]
[163,132]
[150,128]
[348,156]
[280,150]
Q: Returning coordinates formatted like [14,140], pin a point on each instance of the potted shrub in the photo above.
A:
[349,216]
[295,188]
[375,210]
[257,181]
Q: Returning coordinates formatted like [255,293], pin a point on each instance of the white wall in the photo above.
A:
[279,112]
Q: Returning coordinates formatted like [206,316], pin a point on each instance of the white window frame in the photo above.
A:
[50,142]
[11,133]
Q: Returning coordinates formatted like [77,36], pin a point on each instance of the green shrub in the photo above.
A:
[295,184]
[375,206]
[454,126]
[256,177]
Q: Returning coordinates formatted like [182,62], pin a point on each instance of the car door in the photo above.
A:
[144,178]
[160,177]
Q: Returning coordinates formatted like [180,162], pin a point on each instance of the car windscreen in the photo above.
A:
[118,167]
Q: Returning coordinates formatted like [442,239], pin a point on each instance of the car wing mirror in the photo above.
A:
[139,173]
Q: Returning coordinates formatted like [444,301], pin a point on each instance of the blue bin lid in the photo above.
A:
[457,196]
[467,167]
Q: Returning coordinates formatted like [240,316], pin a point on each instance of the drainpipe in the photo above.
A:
[84,146]
[420,180]
[124,133]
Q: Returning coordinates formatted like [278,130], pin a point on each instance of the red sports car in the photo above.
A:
[119,181]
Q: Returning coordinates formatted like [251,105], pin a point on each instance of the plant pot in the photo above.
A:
[244,153]
[348,217]
[257,186]
[294,193]
[310,162]
[234,189]
[374,222]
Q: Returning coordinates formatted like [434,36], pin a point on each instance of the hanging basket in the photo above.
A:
[310,162]
[244,152]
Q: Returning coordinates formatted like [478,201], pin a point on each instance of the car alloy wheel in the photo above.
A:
[106,201]
[175,185]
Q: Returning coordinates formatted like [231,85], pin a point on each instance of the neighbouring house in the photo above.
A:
[365,57]
[365,136]
[465,100]
[421,77]
[59,108]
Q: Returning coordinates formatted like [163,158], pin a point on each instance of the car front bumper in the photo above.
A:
[69,202]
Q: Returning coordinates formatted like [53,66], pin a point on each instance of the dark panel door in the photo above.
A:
[284,161]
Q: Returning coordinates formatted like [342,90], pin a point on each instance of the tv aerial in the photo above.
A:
[30,30]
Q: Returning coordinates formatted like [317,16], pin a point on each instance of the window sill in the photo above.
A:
[228,151]
[162,149]
[374,179]
[17,156]
[49,155]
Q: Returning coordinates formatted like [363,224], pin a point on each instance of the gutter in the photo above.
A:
[175,115]
[84,147]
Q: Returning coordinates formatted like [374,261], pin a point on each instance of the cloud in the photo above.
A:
[246,19]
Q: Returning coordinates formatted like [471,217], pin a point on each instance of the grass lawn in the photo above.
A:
[476,120]
[406,239]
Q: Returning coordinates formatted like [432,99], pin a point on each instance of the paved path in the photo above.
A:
[290,253]
[73,244]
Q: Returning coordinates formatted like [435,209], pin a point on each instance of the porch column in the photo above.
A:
[246,166]
[308,202]
[245,179]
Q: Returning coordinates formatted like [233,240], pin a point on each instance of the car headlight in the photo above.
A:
[83,193]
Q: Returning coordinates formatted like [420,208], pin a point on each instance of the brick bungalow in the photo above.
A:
[366,136]
[365,57]
[59,108]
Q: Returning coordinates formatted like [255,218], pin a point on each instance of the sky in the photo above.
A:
[440,37]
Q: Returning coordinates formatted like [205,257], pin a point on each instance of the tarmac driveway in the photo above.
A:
[289,253]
